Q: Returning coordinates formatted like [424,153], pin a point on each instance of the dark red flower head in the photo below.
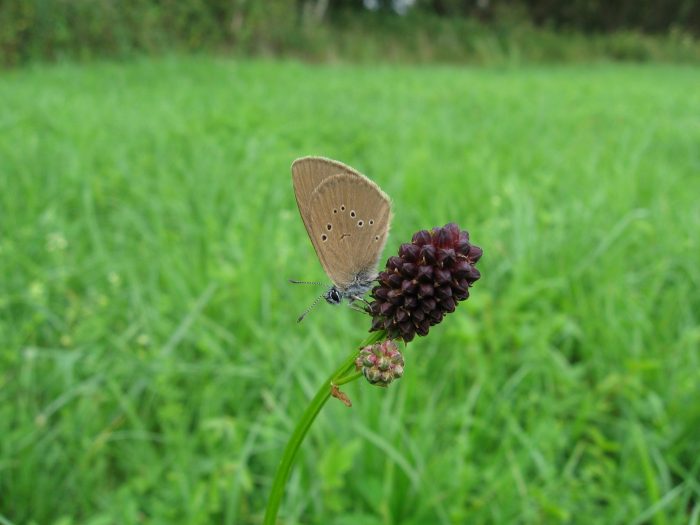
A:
[424,282]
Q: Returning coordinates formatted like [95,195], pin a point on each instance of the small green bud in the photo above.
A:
[380,363]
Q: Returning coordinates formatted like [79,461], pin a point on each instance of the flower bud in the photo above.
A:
[380,363]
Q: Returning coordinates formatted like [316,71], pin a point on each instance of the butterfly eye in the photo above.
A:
[360,224]
[352,213]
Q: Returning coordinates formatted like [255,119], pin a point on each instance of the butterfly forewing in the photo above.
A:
[307,175]
[348,222]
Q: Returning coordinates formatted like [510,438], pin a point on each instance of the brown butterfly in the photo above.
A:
[347,217]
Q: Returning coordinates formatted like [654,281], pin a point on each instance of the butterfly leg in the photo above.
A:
[358,298]
[357,308]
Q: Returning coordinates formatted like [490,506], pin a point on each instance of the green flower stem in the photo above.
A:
[340,376]
[348,378]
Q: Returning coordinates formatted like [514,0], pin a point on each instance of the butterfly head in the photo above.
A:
[353,291]
[333,296]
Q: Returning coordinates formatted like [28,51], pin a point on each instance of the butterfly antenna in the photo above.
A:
[301,317]
[305,282]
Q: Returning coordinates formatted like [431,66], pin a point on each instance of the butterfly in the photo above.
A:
[347,217]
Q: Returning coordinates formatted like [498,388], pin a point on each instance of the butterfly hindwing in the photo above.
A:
[349,219]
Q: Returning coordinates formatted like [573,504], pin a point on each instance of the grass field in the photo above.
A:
[151,366]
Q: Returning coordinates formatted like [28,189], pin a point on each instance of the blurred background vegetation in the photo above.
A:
[407,30]
[151,366]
